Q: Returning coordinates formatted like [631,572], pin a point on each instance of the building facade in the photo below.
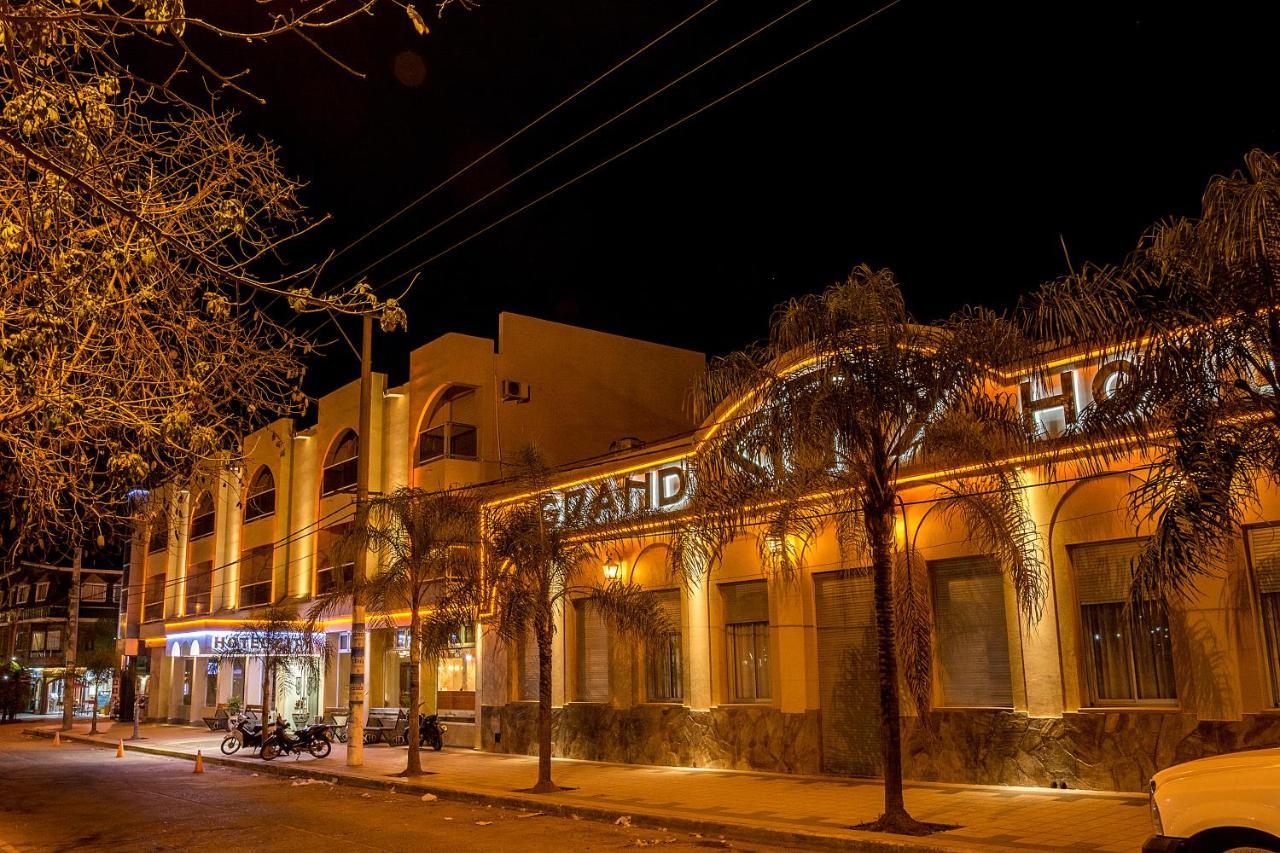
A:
[35,599]
[213,554]
[777,672]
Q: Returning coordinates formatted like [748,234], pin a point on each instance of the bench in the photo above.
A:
[386,725]
[220,721]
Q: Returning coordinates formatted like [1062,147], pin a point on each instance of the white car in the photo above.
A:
[1227,802]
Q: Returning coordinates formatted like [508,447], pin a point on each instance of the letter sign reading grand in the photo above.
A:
[663,488]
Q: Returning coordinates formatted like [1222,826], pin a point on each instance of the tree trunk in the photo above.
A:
[878,516]
[542,625]
[73,634]
[414,767]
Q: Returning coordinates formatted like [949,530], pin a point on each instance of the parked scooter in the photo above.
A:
[246,733]
[314,739]
[431,731]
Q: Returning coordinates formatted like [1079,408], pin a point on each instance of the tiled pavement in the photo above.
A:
[987,818]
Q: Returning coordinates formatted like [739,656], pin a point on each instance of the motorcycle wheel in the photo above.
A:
[230,745]
[436,742]
[269,750]
[320,748]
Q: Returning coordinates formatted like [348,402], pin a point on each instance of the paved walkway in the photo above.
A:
[768,805]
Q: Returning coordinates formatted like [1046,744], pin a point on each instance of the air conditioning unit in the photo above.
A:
[514,392]
[629,442]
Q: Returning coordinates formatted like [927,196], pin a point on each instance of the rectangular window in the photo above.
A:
[1128,656]
[199,588]
[159,539]
[153,599]
[593,653]
[746,628]
[1264,557]
[53,639]
[211,683]
[24,592]
[970,633]
[37,641]
[237,679]
[202,524]
[42,590]
[260,505]
[256,568]
[340,476]
[452,431]
[334,564]
[665,662]
[93,592]
[188,672]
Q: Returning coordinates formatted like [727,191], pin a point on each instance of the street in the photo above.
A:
[78,797]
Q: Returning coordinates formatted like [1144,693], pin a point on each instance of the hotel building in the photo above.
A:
[765,672]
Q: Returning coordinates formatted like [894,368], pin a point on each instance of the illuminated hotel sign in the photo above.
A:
[1052,405]
[1055,408]
[663,488]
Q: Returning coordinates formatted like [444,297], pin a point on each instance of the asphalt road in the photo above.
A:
[77,797]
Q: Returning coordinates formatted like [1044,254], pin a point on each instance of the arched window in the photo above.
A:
[450,432]
[202,516]
[341,463]
[260,499]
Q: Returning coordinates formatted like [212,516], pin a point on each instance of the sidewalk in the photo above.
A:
[767,807]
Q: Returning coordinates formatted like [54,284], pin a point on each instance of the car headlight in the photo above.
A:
[1155,809]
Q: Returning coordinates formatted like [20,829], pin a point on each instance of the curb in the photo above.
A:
[852,840]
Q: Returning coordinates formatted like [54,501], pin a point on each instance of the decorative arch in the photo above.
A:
[449,425]
[260,496]
[341,463]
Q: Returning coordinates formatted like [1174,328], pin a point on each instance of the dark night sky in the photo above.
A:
[954,142]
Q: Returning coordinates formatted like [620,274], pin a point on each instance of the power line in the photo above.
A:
[662,131]
[585,136]
[514,136]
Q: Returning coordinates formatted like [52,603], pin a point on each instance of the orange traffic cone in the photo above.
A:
[120,749]
[57,740]
[199,763]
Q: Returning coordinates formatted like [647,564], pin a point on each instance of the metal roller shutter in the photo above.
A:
[1104,570]
[848,682]
[1264,553]
[593,654]
[971,632]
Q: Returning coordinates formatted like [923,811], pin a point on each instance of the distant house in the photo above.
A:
[34,600]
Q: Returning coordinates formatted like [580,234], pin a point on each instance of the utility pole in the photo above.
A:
[73,632]
[355,720]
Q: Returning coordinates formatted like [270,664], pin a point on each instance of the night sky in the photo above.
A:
[958,143]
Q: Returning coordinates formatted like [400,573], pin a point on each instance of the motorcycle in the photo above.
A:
[246,733]
[431,731]
[313,739]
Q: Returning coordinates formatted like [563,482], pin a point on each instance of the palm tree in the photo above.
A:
[536,561]
[283,641]
[427,541]
[1195,309]
[846,392]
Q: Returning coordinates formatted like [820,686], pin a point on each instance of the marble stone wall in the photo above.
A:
[732,737]
[1107,751]
[1111,751]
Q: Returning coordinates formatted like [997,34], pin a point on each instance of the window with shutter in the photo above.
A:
[746,627]
[970,630]
[848,682]
[1128,654]
[199,587]
[665,664]
[593,653]
[1264,557]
